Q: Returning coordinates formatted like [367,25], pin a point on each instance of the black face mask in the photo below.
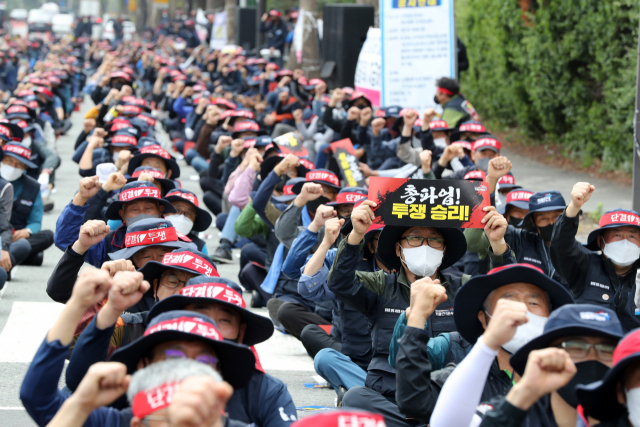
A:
[546,232]
[588,372]
[515,221]
[117,85]
[435,99]
[313,204]
[346,217]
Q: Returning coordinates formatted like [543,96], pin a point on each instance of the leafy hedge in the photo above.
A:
[564,71]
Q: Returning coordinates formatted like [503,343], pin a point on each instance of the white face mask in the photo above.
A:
[115,157]
[633,405]
[181,223]
[622,252]
[10,173]
[440,142]
[422,261]
[26,141]
[525,333]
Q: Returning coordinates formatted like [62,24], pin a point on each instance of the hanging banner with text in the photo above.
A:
[368,79]
[289,144]
[345,155]
[429,203]
[419,46]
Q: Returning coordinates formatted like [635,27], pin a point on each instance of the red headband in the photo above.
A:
[154,149]
[191,325]
[349,197]
[322,176]
[519,196]
[214,290]
[288,190]
[621,218]
[445,91]
[145,238]
[19,150]
[124,139]
[147,402]
[140,193]
[191,261]
[507,179]
[188,196]
[153,172]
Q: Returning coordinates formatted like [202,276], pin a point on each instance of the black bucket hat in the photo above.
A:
[187,260]
[456,245]
[151,232]
[270,162]
[203,217]
[214,289]
[166,184]
[349,196]
[12,131]
[236,362]
[287,191]
[571,320]
[135,191]
[544,201]
[318,176]
[470,298]
[19,152]
[158,152]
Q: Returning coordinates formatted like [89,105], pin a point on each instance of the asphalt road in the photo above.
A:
[26,312]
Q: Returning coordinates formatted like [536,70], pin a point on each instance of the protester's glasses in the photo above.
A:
[187,213]
[203,358]
[434,242]
[171,281]
[580,350]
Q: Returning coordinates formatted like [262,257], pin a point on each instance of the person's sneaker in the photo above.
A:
[341,392]
[223,252]
[34,260]
[256,300]
[48,206]
[273,305]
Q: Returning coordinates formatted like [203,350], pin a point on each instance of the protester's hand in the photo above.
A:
[365,169]
[361,218]
[289,162]
[495,224]
[427,116]
[283,82]
[450,152]
[187,92]
[409,119]
[547,370]
[498,167]
[505,319]
[199,401]
[123,158]
[320,89]
[332,230]
[95,142]
[297,115]
[88,188]
[88,125]
[5,260]
[255,161]
[91,287]
[353,114]
[425,160]
[21,234]
[365,116]
[114,182]
[100,133]
[426,295]
[112,267]
[223,142]
[323,213]
[264,17]
[91,233]
[124,91]
[213,116]
[283,96]
[237,145]
[377,125]
[127,288]
[310,191]
[580,194]
[336,96]
[103,383]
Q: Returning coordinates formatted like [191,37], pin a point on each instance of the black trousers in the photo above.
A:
[251,277]
[369,400]
[294,317]
[40,241]
[213,189]
[314,339]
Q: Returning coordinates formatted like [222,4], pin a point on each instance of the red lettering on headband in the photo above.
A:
[288,190]
[158,151]
[150,237]
[217,291]
[349,197]
[139,193]
[120,125]
[486,142]
[190,197]
[464,144]
[433,124]
[148,120]
[124,139]
[472,127]
[191,325]
[519,196]
[131,109]
[246,126]
[149,401]
[5,131]
[17,109]
[191,261]
[19,150]
[322,176]
[307,164]
[507,179]
[475,175]
[153,172]
[619,217]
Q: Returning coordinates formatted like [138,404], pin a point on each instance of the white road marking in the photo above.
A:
[284,353]
[25,329]
[11,408]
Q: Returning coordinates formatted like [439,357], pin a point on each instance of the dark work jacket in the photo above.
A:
[382,298]
[195,239]
[23,205]
[457,103]
[591,277]
[418,387]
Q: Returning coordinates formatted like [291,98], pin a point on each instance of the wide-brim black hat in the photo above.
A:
[166,184]
[137,159]
[471,296]
[454,241]
[270,162]
[612,219]
[116,205]
[236,362]
[259,328]
[153,269]
[203,217]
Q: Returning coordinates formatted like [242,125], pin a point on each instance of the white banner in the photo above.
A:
[219,31]
[418,47]
[368,77]
[298,36]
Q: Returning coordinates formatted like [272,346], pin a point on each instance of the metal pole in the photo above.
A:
[636,141]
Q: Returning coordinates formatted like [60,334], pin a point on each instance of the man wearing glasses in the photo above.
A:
[414,253]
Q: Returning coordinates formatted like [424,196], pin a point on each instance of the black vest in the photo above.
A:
[458,348]
[394,301]
[603,287]
[23,205]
